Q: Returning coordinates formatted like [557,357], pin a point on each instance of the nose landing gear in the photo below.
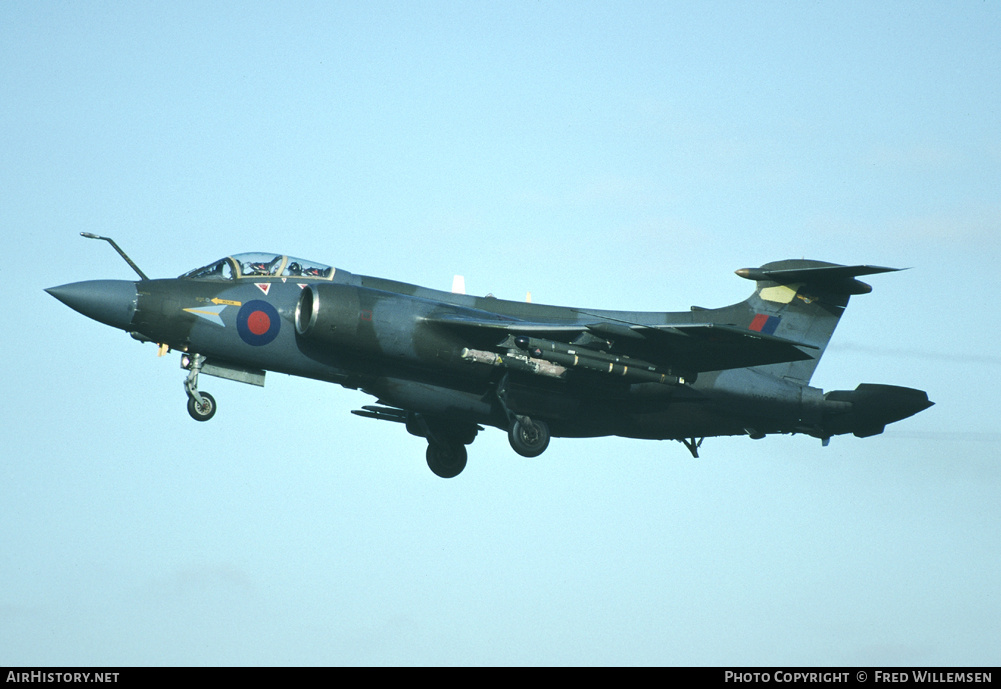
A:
[204,410]
[201,405]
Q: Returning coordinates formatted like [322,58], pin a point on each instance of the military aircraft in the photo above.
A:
[446,364]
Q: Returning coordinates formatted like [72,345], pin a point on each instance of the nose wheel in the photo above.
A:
[201,405]
[203,410]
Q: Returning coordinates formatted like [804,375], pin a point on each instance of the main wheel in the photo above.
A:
[528,438]
[203,411]
[446,460]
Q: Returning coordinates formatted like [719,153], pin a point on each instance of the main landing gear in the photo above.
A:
[201,405]
[447,438]
[446,458]
[446,453]
[527,437]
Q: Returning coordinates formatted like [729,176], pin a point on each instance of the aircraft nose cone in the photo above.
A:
[112,302]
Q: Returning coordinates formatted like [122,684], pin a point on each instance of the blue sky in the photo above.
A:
[611,155]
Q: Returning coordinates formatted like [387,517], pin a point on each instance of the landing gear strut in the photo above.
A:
[201,405]
[527,437]
[693,445]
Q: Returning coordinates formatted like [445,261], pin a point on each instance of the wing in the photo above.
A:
[688,347]
[712,347]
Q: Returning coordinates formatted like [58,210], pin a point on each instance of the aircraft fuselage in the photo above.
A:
[445,364]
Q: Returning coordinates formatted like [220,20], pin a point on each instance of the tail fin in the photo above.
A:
[800,300]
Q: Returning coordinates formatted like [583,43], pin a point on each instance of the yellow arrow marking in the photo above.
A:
[217,300]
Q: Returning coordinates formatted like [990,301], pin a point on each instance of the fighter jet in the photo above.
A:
[445,365]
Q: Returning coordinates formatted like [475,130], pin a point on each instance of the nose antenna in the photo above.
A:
[111,241]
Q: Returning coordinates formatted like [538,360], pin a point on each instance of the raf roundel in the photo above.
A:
[258,323]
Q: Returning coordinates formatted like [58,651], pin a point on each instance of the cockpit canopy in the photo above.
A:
[261,265]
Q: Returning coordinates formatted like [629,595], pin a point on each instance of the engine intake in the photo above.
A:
[330,314]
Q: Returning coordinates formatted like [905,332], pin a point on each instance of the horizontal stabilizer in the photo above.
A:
[830,276]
